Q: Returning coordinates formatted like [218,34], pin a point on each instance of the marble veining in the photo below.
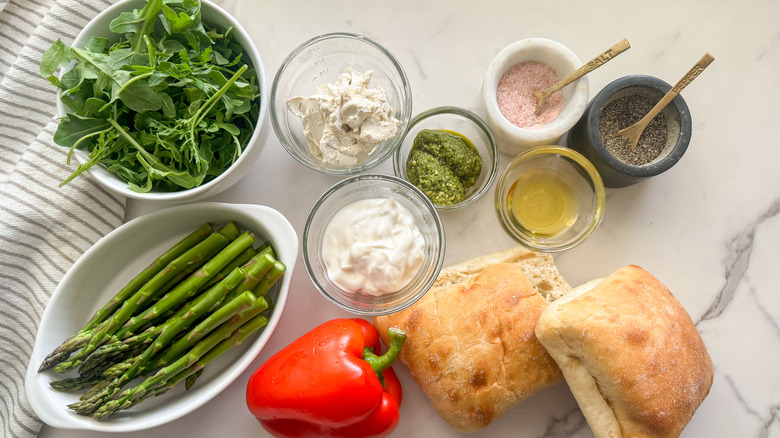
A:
[764,422]
[566,425]
[740,248]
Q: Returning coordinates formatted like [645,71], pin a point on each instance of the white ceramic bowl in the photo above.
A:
[510,138]
[321,60]
[212,14]
[107,266]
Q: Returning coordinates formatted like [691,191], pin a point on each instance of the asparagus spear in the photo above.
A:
[190,287]
[270,279]
[75,383]
[97,387]
[239,261]
[128,308]
[240,305]
[261,290]
[231,232]
[133,395]
[116,351]
[76,341]
[196,369]
[265,257]
[124,333]
[263,263]
[167,333]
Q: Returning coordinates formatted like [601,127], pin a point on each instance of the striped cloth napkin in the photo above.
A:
[43,228]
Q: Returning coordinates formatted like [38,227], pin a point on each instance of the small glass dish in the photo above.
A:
[321,60]
[370,186]
[468,125]
[550,198]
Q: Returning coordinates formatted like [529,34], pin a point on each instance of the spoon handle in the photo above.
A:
[610,53]
[682,83]
[693,72]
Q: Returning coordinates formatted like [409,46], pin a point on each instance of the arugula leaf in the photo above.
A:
[90,64]
[125,56]
[157,78]
[139,96]
[96,106]
[179,22]
[74,127]
[56,55]
[168,107]
[137,23]
[97,44]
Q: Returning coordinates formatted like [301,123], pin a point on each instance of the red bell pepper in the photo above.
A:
[329,382]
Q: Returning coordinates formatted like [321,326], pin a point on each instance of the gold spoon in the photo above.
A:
[633,132]
[542,95]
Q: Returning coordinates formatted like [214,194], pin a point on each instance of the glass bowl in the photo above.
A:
[370,186]
[321,60]
[550,198]
[467,124]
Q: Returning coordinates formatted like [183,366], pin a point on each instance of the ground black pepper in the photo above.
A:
[622,113]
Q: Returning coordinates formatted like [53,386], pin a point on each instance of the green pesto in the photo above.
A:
[444,165]
[436,180]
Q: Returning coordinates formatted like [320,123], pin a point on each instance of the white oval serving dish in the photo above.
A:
[107,266]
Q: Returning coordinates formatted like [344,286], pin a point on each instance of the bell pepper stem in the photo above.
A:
[396,338]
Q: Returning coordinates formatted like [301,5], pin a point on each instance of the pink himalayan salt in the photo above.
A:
[515,95]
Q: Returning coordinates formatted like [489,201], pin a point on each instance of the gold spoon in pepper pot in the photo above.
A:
[542,95]
[633,132]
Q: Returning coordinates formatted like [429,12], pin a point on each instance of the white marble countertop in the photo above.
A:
[709,228]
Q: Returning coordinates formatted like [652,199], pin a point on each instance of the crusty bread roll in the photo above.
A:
[470,340]
[630,354]
[538,267]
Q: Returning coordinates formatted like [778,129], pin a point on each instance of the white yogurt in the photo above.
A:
[373,246]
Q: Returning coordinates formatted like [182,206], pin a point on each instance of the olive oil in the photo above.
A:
[543,202]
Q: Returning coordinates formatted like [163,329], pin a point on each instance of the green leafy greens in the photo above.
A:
[169,106]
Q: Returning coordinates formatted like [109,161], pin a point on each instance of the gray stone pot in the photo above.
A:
[586,138]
